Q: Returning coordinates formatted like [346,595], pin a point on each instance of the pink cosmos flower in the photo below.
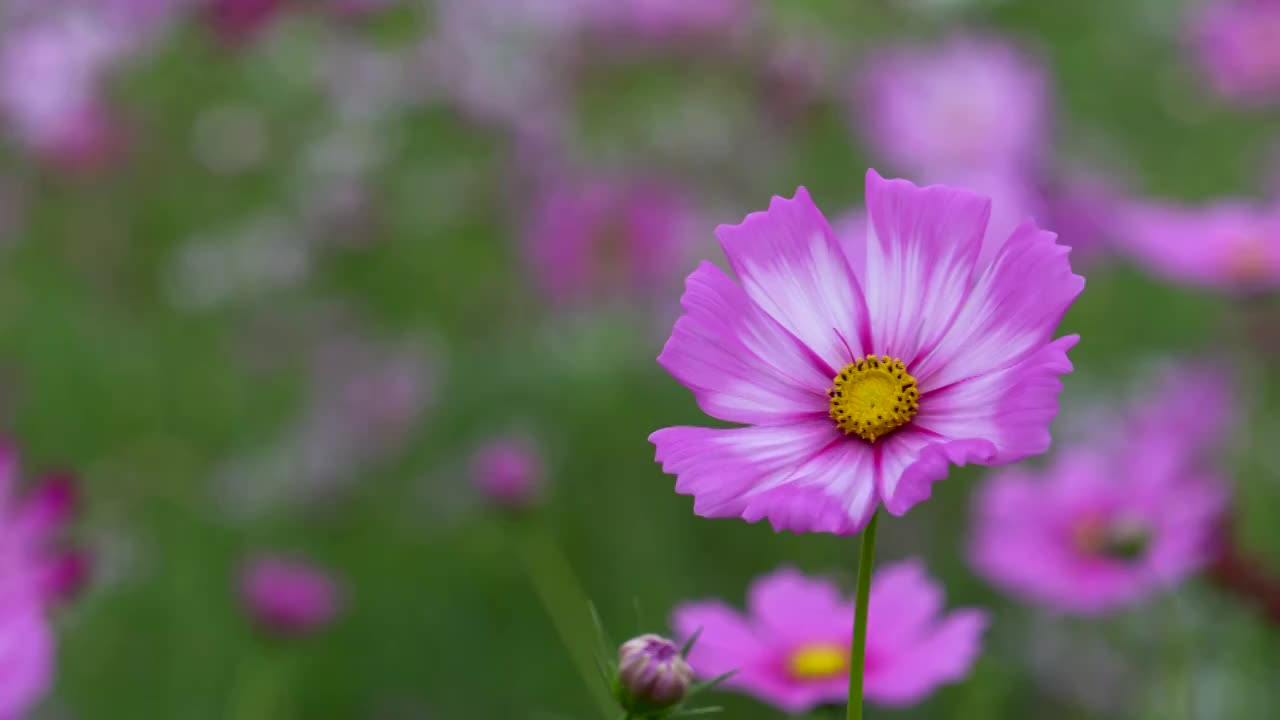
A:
[508,471]
[1083,208]
[1098,531]
[791,648]
[667,18]
[1236,43]
[1231,245]
[289,597]
[26,653]
[862,373]
[602,239]
[236,21]
[971,103]
[51,69]
[31,578]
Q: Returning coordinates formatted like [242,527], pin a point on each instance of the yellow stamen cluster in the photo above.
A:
[819,661]
[873,396]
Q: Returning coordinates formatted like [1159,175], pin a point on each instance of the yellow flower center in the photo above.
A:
[818,662]
[873,396]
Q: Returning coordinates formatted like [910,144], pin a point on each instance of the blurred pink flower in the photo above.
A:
[51,69]
[32,552]
[863,373]
[26,653]
[33,575]
[237,21]
[1098,531]
[602,239]
[1230,245]
[1236,42]
[667,18]
[1083,208]
[508,471]
[973,103]
[287,596]
[791,648]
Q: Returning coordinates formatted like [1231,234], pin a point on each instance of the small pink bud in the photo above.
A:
[652,675]
[288,597]
[508,471]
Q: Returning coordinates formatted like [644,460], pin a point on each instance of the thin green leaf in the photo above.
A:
[688,644]
[710,684]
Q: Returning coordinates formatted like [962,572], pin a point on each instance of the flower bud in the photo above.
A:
[652,675]
[508,472]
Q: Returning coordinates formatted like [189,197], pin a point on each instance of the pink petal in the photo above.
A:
[1011,408]
[790,608]
[803,477]
[921,248]
[726,642]
[911,460]
[26,655]
[1013,310]
[790,264]
[740,363]
[903,602]
[945,654]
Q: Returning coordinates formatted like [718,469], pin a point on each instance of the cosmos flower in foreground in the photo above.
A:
[1098,531]
[1236,41]
[288,597]
[972,103]
[791,648]
[1231,245]
[862,373]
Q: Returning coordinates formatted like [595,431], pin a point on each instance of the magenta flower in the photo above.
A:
[508,472]
[289,597]
[863,373]
[602,239]
[791,648]
[667,18]
[971,103]
[32,567]
[1236,43]
[237,21]
[1098,531]
[1231,245]
[51,70]
[26,651]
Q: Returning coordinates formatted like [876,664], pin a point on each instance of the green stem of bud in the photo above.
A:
[566,604]
[858,651]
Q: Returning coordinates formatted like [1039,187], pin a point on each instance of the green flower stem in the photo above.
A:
[262,685]
[858,652]
[566,604]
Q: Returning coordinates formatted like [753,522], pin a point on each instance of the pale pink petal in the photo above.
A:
[740,363]
[944,654]
[912,459]
[791,265]
[1014,309]
[726,641]
[1011,408]
[791,608]
[803,477]
[921,248]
